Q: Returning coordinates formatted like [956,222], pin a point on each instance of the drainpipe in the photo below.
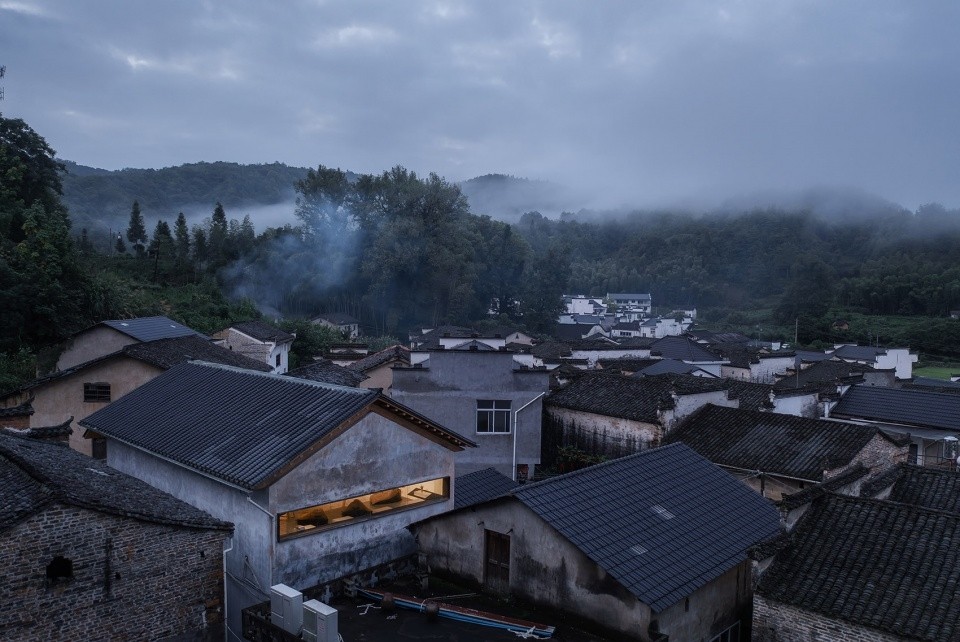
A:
[226,610]
[515,429]
[273,532]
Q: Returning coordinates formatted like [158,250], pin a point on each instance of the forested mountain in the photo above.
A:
[102,198]
[398,250]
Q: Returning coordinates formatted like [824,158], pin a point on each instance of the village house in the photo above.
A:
[342,323]
[650,546]
[779,454]
[319,480]
[260,341]
[481,392]
[753,364]
[900,360]
[641,302]
[612,415]
[862,569]
[688,351]
[84,388]
[108,337]
[377,368]
[90,553]
[930,419]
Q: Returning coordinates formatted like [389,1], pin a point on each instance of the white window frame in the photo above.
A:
[493,416]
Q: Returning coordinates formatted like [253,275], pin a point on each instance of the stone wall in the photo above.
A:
[131,580]
[777,622]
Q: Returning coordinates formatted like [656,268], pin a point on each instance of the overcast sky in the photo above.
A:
[645,101]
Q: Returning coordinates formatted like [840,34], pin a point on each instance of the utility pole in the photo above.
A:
[3,72]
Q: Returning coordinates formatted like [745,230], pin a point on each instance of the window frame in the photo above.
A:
[383,509]
[488,416]
[96,392]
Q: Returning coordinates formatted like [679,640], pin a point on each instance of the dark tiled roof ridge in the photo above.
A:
[591,469]
[805,496]
[271,375]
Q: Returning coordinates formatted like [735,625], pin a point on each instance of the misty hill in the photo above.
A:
[507,198]
[98,197]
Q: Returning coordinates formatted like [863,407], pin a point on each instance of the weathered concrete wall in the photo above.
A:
[381,377]
[769,367]
[92,344]
[545,568]
[375,454]
[777,622]
[798,405]
[60,399]
[250,574]
[592,355]
[132,580]
[447,392]
[600,434]
[686,405]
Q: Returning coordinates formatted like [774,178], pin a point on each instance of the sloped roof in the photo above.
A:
[880,564]
[860,353]
[628,296]
[683,349]
[240,426]
[166,353]
[910,407]
[771,442]
[480,486]
[822,372]
[662,522]
[752,396]
[326,371]
[150,328]
[669,366]
[813,355]
[933,385]
[934,488]
[393,353]
[263,331]
[638,399]
[35,473]
[626,364]
[474,346]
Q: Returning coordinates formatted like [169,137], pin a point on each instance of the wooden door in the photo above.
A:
[498,562]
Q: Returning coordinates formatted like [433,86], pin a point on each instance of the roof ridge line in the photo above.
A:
[279,377]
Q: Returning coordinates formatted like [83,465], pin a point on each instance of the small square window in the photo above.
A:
[96,392]
[493,416]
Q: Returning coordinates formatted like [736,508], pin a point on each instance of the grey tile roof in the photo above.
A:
[860,353]
[35,473]
[625,364]
[150,328]
[21,410]
[821,373]
[241,426]
[568,331]
[910,407]
[880,564]
[481,486]
[326,371]
[752,396]
[628,296]
[933,385]
[813,355]
[772,442]
[166,353]
[663,522]
[639,399]
[669,366]
[927,487]
[263,331]
[683,349]
[393,353]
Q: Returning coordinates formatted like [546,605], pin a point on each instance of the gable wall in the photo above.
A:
[878,455]
[60,399]
[686,405]
[380,377]
[159,584]
[92,344]
[375,454]
[545,568]
[798,405]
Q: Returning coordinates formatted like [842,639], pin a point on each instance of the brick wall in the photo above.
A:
[777,622]
[132,580]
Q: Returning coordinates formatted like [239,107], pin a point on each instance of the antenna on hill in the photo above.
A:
[3,72]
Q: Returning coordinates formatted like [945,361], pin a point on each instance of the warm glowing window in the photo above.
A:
[338,513]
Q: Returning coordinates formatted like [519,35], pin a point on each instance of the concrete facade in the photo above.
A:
[546,568]
[131,579]
[447,391]
[374,454]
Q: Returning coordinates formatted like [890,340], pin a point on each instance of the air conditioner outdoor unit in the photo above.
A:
[286,608]
[319,622]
